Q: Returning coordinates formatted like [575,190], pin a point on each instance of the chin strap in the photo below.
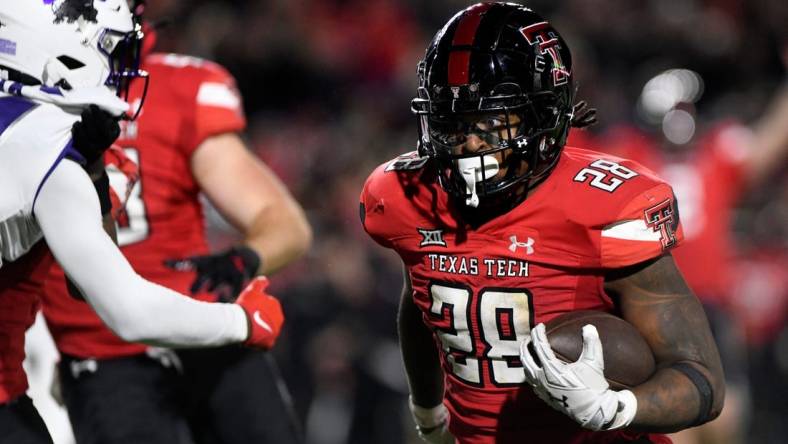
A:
[471,169]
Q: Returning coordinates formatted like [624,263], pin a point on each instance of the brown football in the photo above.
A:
[628,358]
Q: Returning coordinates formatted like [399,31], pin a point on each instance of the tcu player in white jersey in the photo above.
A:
[61,62]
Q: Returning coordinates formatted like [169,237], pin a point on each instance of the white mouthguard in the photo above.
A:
[471,170]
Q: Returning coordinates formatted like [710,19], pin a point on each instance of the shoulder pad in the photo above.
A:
[175,60]
[407,162]
[194,66]
[390,195]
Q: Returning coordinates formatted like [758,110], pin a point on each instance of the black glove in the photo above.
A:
[583,115]
[228,271]
[94,133]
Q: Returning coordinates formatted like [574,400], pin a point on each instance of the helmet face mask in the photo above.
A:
[477,148]
[125,56]
[448,131]
[494,87]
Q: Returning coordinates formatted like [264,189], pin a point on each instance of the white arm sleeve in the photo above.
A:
[67,210]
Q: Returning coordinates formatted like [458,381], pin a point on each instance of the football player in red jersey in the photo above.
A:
[185,141]
[710,172]
[500,228]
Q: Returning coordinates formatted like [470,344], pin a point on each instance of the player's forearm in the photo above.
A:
[250,196]
[655,299]
[68,212]
[420,356]
[770,145]
[669,402]
[279,235]
[158,316]
[141,311]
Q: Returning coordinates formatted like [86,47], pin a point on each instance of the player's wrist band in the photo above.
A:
[102,189]
[428,419]
[252,261]
[627,408]
[703,386]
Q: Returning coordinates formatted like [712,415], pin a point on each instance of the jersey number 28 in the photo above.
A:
[492,337]
[605,175]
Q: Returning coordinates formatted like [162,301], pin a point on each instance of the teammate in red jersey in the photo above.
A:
[500,228]
[59,112]
[710,173]
[186,141]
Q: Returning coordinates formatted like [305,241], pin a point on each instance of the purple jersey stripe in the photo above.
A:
[11,109]
[54,90]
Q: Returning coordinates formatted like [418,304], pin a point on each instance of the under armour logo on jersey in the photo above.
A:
[431,237]
[522,143]
[528,245]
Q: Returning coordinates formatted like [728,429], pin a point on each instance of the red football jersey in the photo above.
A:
[21,283]
[707,182]
[188,100]
[482,289]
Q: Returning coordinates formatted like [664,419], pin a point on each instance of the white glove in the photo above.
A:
[578,389]
[432,423]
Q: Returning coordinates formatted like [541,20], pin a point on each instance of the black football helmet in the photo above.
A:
[503,73]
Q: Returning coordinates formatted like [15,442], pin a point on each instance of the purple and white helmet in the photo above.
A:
[71,43]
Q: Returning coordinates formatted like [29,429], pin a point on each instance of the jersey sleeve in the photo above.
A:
[646,227]
[387,206]
[730,146]
[217,106]
[371,209]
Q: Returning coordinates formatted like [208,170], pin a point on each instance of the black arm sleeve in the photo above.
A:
[419,353]
[102,189]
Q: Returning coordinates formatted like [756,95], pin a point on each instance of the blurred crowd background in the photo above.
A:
[327,86]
